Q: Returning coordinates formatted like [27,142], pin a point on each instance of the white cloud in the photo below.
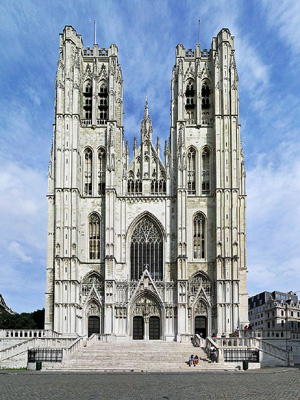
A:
[283,18]
[16,249]
[273,221]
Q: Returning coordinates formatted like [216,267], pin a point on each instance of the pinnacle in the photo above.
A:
[146,113]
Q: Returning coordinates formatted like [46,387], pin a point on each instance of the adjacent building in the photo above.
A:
[275,310]
[153,247]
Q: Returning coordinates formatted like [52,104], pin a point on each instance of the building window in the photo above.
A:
[205,171]
[282,312]
[146,250]
[205,96]
[94,237]
[101,171]
[191,171]
[88,173]
[292,313]
[158,186]
[134,186]
[190,101]
[199,236]
[103,104]
[87,101]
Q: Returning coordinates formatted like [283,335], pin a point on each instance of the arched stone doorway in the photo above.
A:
[92,298]
[200,303]
[94,315]
[146,318]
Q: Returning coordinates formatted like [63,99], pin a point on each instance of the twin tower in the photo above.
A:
[147,248]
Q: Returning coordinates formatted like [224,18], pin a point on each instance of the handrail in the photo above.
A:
[73,348]
[219,350]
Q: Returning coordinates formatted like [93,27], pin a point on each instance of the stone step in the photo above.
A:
[136,356]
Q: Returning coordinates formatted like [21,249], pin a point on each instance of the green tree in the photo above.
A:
[34,320]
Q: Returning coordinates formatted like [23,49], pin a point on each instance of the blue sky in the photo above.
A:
[146,32]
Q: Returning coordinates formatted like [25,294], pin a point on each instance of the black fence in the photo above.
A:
[49,355]
[235,355]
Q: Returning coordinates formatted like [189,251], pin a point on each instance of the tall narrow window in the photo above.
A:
[94,235]
[205,96]
[101,171]
[103,104]
[88,176]
[205,172]
[191,171]
[199,236]
[146,250]
[190,101]
[87,103]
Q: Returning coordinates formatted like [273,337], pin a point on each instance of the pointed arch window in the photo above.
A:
[103,104]
[190,101]
[205,171]
[199,236]
[101,171]
[205,96]
[88,172]
[94,237]
[146,250]
[190,95]
[191,171]
[87,101]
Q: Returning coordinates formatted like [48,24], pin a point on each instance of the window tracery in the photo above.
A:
[190,100]
[92,281]
[205,96]
[134,186]
[87,101]
[88,172]
[191,171]
[199,280]
[103,104]
[94,237]
[199,236]
[206,171]
[146,250]
[101,171]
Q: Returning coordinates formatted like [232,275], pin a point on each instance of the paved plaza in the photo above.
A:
[276,383]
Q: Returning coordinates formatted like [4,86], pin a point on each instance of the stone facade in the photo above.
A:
[146,249]
[275,311]
[4,307]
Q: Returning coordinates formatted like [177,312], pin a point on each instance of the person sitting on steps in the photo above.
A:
[196,360]
[191,360]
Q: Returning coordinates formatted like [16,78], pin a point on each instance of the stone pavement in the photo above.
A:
[267,384]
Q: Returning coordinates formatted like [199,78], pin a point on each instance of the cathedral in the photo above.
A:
[148,248]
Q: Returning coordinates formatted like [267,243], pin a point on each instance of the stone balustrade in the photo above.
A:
[27,333]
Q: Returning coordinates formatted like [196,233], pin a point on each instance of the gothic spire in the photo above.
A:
[146,125]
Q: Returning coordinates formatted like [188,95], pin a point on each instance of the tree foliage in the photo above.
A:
[34,320]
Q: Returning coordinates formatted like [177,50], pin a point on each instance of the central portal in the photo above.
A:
[138,328]
[154,328]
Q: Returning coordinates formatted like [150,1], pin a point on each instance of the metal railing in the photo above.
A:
[47,355]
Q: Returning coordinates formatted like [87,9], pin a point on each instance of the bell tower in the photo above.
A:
[209,180]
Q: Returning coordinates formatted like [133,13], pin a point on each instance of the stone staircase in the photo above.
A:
[136,356]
